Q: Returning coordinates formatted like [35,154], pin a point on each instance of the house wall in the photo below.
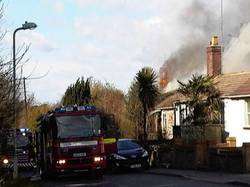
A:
[236,120]
[167,123]
[153,125]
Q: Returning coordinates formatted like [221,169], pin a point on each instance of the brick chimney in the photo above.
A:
[214,58]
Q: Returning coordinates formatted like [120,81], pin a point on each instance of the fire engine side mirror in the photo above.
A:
[104,124]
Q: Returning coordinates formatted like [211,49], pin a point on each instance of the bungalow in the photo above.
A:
[235,94]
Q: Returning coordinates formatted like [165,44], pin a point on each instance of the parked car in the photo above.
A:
[129,155]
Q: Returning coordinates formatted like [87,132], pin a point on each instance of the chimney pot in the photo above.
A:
[214,57]
[214,41]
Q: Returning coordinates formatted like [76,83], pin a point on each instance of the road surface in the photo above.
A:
[123,180]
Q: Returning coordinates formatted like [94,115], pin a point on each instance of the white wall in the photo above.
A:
[236,120]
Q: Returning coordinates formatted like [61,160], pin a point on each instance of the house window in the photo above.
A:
[248,112]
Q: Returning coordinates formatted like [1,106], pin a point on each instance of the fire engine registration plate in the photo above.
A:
[79,154]
[135,166]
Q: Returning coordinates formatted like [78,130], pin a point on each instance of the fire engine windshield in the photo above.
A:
[78,126]
[22,140]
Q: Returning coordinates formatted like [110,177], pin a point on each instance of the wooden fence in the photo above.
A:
[228,159]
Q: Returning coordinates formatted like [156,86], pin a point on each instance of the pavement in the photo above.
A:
[212,177]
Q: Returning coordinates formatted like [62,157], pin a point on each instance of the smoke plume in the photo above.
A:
[237,57]
[201,20]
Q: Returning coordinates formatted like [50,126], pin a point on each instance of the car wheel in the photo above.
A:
[145,165]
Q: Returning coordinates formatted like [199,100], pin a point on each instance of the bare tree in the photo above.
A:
[6,85]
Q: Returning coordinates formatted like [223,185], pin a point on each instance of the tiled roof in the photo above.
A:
[229,85]
[236,84]
[170,98]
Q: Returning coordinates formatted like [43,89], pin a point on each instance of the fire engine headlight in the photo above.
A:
[61,162]
[5,161]
[98,159]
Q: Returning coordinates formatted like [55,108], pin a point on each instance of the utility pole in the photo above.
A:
[24,79]
[221,23]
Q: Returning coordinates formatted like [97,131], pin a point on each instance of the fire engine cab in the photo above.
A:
[69,139]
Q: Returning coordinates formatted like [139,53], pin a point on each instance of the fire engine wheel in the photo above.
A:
[97,174]
[113,168]
[42,174]
[45,174]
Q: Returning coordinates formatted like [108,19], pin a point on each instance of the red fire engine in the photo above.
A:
[24,151]
[69,139]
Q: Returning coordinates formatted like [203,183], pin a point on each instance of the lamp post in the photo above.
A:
[25,26]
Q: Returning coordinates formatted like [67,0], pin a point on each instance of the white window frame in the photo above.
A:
[247,125]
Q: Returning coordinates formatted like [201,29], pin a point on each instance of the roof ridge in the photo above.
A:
[235,73]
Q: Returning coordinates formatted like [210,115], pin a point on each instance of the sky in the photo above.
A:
[109,40]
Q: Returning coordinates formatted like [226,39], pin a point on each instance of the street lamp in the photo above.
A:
[29,25]
[25,26]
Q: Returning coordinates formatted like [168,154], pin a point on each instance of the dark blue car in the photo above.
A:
[129,155]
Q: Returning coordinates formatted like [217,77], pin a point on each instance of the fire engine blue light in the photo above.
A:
[86,108]
[60,110]
[69,109]
[63,110]
[81,108]
[90,108]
